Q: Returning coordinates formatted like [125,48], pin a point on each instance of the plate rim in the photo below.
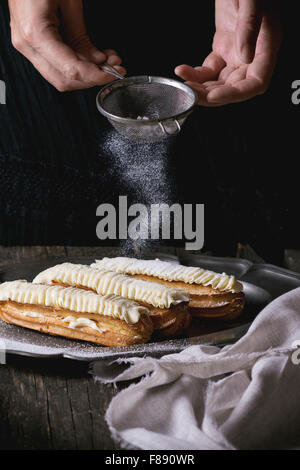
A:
[114,353]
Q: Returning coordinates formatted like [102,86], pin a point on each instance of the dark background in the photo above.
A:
[240,160]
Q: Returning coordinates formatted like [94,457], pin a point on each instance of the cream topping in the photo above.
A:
[109,282]
[70,298]
[73,322]
[82,322]
[33,315]
[169,271]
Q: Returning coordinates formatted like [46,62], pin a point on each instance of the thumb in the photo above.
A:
[248,26]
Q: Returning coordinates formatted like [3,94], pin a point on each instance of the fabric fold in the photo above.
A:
[241,396]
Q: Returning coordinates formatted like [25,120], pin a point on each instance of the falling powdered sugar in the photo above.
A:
[144,172]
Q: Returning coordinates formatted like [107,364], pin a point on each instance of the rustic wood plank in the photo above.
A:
[93,251]
[101,251]
[292,260]
[18,254]
[5,254]
[56,251]
[47,404]
[168,250]
[25,424]
[60,413]
[89,401]
[100,396]
[6,435]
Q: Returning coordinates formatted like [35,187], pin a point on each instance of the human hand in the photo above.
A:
[52,35]
[245,46]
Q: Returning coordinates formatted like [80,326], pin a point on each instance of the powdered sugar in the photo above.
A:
[143,168]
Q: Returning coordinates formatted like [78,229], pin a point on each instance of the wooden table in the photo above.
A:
[52,404]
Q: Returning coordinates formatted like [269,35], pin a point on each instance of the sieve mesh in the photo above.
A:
[146,108]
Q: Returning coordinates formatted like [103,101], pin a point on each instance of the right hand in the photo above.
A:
[68,60]
[244,53]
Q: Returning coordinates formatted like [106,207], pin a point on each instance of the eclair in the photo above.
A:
[168,306]
[212,295]
[108,320]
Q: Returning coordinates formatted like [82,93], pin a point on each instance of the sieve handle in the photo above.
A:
[177,130]
[105,67]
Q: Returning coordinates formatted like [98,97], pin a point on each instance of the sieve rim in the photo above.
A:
[145,79]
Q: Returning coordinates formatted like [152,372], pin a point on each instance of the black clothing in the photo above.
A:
[54,165]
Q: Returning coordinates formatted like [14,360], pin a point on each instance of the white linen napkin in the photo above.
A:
[243,396]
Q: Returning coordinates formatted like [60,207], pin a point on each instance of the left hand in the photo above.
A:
[52,35]
[243,56]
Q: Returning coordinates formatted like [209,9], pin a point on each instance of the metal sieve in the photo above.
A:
[145,108]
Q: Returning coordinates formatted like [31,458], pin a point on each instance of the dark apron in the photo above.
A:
[60,159]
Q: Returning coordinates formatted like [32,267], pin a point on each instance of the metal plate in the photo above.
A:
[236,266]
[275,280]
[26,342]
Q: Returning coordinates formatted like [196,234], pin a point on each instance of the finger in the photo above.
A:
[63,58]
[50,71]
[114,60]
[75,33]
[247,29]
[226,72]
[212,87]
[187,72]
[88,52]
[210,69]
[85,50]
[110,52]
[245,82]
[213,83]
[119,69]
[262,68]
[201,92]
[214,62]
[54,76]
[49,44]
[237,75]
[241,91]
